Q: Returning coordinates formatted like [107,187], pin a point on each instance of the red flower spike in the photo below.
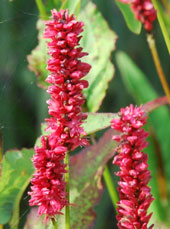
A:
[135,196]
[144,12]
[64,107]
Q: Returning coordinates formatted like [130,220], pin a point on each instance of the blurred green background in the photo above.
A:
[23,104]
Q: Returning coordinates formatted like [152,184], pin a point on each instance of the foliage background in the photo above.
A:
[23,104]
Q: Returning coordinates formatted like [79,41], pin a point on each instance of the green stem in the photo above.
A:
[41,9]
[54,223]
[155,56]
[67,208]
[162,25]
[110,186]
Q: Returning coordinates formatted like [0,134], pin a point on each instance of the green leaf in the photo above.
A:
[142,91]
[134,79]
[133,24]
[38,58]
[85,180]
[35,221]
[97,121]
[17,169]
[99,41]
[161,20]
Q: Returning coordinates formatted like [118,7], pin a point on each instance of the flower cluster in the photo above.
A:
[135,196]
[144,11]
[66,73]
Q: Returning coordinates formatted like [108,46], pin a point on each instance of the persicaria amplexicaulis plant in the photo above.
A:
[64,193]
[48,190]
[66,73]
[134,192]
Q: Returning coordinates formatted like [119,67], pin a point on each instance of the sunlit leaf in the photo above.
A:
[99,41]
[38,58]
[17,169]
[97,121]
[35,221]
[86,180]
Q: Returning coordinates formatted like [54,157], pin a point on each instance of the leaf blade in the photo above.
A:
[97,121]
[86,179]
[17,169]
[132,23]
[97,39]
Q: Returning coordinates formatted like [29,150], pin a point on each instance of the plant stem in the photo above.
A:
[158,66]
[154,104]
[67,208]
[54,223]
[162,25]
[165,3]
[41,9]
[110,186]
